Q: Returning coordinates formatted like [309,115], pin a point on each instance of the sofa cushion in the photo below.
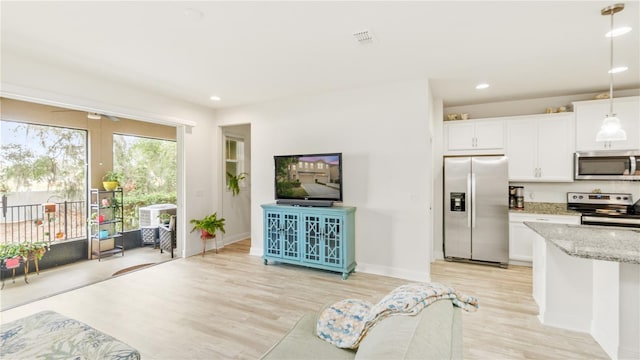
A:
[302,343]
[435,333]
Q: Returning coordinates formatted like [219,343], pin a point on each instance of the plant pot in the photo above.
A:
[110,185]
[12,263]
[205,234]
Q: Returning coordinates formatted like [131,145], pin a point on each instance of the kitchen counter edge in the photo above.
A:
[602,243]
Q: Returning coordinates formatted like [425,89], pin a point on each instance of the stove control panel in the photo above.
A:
[599,198]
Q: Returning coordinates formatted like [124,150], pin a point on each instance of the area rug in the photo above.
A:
[132,268]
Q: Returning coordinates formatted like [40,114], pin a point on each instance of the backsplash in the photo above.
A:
[557,192]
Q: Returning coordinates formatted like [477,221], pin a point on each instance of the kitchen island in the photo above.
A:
[587,278]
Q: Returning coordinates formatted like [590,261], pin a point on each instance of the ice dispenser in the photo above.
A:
[457,201]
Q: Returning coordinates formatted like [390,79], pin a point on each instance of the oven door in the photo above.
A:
[611,165]
[620,221]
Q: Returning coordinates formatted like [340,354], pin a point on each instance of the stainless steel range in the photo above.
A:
[609,209]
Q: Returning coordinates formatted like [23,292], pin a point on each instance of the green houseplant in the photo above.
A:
[208,227]
[10,255]
[234,182]
[111,180]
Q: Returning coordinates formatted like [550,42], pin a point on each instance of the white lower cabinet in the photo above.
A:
[521,237]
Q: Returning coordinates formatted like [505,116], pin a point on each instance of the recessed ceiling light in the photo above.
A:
[618,69]
[618,31]
[482,86]
[215,98]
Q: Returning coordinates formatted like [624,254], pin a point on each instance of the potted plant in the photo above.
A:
[10,255]
[164,217]
[208,227]
[111,180]
[234,182]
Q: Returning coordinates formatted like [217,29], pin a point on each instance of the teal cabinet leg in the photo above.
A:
[265,261]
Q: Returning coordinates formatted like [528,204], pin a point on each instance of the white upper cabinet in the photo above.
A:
[589,115]
[541,147]
[474,137]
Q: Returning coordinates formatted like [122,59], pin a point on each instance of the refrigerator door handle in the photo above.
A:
[473,200]
[469,207]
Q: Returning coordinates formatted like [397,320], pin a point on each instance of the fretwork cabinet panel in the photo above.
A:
[322,238]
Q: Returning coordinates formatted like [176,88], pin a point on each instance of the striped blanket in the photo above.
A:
[347,322]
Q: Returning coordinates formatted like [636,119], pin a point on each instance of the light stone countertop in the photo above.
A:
[592,242]
[545,208]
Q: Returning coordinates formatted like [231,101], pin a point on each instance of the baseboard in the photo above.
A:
[226,240]
[394,272]
[256,251]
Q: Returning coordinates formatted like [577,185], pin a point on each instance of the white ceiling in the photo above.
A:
[247,52]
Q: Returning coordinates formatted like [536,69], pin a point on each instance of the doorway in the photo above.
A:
[236,163]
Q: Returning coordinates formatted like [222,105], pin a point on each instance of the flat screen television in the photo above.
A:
[308,179]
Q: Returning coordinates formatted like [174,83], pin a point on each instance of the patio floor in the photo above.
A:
[72,276]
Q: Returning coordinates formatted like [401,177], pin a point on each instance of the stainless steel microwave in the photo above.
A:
[607,165]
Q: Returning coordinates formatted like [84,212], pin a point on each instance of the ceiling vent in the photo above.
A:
[363,37]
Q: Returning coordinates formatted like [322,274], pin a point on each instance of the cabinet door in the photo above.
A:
[333,241]
[489,134]
[555,148]
[460,135]
[520,242]
[589,115]
[272,239]
[290,236]
[312,239]
[522,145]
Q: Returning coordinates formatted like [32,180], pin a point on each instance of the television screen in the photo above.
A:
[309,177]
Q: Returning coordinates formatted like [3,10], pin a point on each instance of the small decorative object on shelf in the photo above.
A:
[111,180]
[105,223]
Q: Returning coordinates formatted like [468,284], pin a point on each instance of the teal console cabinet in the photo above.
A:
[317,237]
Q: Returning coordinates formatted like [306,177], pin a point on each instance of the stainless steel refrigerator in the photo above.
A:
[476,209]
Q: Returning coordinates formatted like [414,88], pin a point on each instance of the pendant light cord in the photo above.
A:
[610,68]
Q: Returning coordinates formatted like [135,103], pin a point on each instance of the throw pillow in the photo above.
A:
[342,323]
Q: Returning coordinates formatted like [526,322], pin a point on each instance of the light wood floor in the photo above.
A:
[71,276]
[230,306]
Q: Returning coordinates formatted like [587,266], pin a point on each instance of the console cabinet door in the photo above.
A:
[273,240]
[312,239]
[589,116]
[323,240]
[281,235]
[333,242]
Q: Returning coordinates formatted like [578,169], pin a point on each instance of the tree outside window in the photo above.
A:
[150,170]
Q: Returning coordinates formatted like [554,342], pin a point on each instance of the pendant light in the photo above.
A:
[611,130]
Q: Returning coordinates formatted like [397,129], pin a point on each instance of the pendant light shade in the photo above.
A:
[611,130]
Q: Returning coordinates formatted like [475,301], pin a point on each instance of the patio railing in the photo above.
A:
[29,223]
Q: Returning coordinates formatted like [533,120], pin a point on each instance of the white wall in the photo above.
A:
[33,80]
[383,134]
